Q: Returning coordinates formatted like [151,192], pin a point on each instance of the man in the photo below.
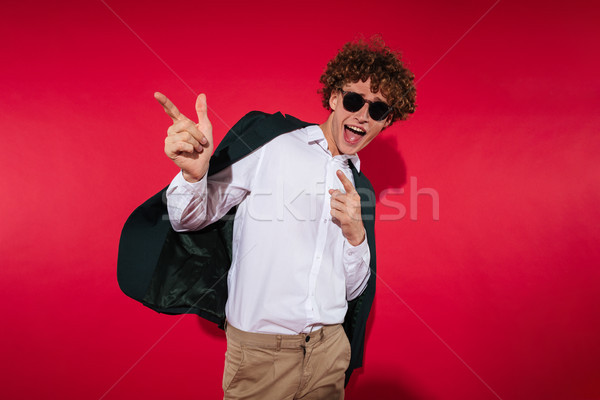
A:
[300,250]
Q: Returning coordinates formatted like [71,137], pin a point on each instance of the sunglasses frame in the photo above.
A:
[371,103]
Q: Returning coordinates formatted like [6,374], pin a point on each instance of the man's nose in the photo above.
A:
[363,113]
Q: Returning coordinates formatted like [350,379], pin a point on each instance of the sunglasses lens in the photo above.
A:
[378,110]
[353,102]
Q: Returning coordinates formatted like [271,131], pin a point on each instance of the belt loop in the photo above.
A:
[279,342]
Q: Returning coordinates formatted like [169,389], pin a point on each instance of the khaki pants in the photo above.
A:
[286,367]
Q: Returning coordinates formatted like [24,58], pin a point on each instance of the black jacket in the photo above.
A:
[186,273]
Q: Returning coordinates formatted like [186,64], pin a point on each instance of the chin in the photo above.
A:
[346,148]
[350,147]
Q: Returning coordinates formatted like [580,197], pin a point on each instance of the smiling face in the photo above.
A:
[348,132]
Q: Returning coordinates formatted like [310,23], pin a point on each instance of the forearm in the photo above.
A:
[192,206]
[356,267]
[187,204]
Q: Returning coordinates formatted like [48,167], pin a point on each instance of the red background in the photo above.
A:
[497,299]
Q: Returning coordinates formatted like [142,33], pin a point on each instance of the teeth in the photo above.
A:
[355,129]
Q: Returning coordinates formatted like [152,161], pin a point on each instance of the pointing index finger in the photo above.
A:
[169,107]
[348,186]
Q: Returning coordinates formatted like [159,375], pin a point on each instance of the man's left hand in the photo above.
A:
[345,210]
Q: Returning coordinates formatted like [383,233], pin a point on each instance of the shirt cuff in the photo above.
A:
[354,254]
[186,202]
[190,187]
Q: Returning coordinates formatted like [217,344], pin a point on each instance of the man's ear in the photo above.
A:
[388,120]
[333,99]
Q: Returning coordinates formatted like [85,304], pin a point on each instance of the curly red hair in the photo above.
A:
[361,60]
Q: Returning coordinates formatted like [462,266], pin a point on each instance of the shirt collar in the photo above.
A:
[314,134]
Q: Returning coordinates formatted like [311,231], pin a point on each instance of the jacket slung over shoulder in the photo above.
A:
[186,272]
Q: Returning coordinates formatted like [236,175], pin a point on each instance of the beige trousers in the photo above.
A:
[286,367]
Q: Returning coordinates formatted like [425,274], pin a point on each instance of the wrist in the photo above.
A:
[355,240]
[190,177]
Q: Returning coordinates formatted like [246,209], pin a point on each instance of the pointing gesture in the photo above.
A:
[188,144]
[345,210]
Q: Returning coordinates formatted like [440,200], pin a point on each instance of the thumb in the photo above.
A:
[201,108]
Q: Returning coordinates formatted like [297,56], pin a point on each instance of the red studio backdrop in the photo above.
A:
[487,226]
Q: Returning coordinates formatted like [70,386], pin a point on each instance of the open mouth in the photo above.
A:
[353,134]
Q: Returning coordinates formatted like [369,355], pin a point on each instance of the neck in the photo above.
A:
[326,128]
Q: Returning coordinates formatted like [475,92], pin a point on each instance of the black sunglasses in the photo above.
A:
[378,110]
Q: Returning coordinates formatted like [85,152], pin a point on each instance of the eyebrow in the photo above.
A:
[377,98]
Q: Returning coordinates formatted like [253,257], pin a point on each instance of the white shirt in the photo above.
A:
[292,270]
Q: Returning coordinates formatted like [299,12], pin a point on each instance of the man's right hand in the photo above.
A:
[188,144]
